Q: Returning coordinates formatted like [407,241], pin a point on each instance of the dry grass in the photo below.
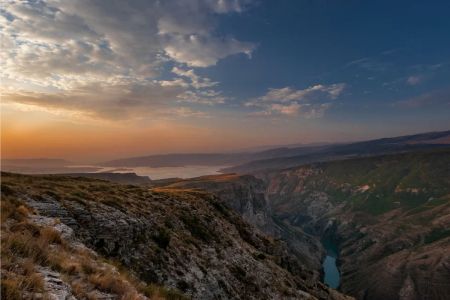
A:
[25,279]
[26,245]
[12,210]
[81,190]
[156,292]
[109,283]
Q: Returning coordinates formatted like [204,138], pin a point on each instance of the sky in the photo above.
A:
[95,80]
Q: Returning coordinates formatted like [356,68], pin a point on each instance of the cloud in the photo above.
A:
[113,102]
[439,97]
[290,109]
[369,64]
[209,97]
[203,51]
[175,82]
[288,94]
[187,112]
[55,52]
[311,102]
[414,80]
[197,82]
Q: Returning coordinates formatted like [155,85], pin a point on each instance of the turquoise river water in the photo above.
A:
[332,277]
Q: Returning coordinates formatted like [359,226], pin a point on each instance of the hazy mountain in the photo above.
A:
[208,159]
[42,166]
[285,158]
[36,162]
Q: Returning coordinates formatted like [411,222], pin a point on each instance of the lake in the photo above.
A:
[165,172]
[332,277]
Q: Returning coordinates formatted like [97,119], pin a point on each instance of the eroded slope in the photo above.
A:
[389,214]
[182,239]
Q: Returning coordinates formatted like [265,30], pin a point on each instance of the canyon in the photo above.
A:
[388,215]
[187,243]
[263,235]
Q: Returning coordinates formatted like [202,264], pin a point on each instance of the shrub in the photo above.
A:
[9,209]
[154,291]
[162,238]
[196,228]
[436,234]
[50,235]
[110,283]
[34,282]
[11,289]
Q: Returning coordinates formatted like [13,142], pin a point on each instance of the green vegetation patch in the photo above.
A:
[437,234]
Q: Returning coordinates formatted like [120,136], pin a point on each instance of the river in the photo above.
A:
[332,276]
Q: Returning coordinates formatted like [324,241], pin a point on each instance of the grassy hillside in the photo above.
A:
[417,180]
[41,259]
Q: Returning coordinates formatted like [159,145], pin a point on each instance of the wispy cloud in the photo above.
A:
[209,97]
[196,81]
[369,63]
[113,102]
[311,102]
[434,98]
[414,79]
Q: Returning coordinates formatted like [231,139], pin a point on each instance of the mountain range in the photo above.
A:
[384,205]
[284,157]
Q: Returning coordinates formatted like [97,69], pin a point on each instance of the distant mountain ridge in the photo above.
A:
[35,161]
[431,140]
[284,157]
[244,162]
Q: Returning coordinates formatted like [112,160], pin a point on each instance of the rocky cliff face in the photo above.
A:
[180,238]
[246,195]
[390,216]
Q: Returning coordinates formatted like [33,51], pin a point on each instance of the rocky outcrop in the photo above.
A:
[244,194]
[54,286]
[43,259]
[182,239]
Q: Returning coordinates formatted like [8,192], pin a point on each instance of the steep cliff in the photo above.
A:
[389,215]
[183,239]
[246,195]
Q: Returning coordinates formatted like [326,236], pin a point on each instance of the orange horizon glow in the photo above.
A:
[37,134]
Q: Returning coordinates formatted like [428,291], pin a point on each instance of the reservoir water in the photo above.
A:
[332,276]
[162,172]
